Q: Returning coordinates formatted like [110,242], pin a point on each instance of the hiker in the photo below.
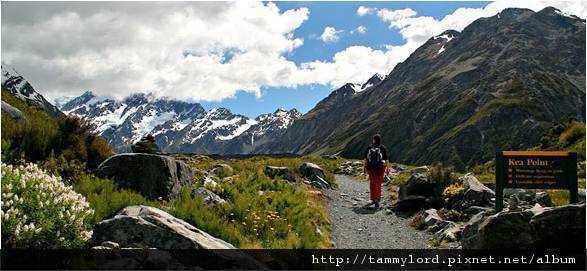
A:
[376,164]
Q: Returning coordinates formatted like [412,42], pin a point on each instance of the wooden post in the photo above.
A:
[499,181]
[573,187]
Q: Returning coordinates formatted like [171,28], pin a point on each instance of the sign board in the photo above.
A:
[535,170]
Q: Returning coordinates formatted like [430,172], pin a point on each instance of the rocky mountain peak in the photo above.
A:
[18,86]
[374,80]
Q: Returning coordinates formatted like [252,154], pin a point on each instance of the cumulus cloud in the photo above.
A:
[330,34]
[200,50]
[205,51]
[420,28]
[362,11]
[361,29]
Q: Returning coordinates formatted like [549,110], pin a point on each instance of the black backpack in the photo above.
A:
[375,158]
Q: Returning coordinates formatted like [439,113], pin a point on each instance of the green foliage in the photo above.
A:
[106,198]
[451,215]
[443,177]
[40,211]
[567,134]
[34,139]
[418,222]
[260,212]
[42,135]
[259,163]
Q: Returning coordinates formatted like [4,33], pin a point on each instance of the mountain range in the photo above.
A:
[460,97]
[177,126]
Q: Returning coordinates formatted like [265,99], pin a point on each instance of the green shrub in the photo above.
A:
[418,222]
[106,198]
[260,212]
[39,211]
[442,177]
[42,135]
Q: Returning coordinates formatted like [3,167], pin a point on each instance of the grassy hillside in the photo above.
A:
[260,212]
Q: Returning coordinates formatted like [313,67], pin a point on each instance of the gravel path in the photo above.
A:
[357,227]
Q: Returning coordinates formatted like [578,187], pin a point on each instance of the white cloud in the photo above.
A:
[361,11]
[420,28]
[114,50]
[361,29]
[330,34]
[199,50]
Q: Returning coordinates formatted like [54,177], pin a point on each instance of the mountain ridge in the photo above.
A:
[461,96]
[177,126]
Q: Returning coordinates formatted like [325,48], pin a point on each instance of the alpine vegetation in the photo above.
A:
[40,211]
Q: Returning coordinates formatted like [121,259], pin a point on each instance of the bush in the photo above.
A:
[39,211]
[260,212]
[106,198]
[442,177]
[418,222]
[42,135]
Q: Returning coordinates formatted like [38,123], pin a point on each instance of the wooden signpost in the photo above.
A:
[535,170]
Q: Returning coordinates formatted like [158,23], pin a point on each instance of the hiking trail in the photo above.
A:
[356,227]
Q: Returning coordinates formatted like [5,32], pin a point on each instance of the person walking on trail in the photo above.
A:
[376,164]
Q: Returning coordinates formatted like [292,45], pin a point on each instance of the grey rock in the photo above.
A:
[417,185]
[420,170]
[148,227]
[543,199]
[522,194]
[13,112]
[560,227]
[504,230]
[477,209]
[151,175]
[411,203]
[208,182]
[209,197]
[475,192]
[110,244]
[283,172]
[315,175]
[146,145]
[432,218]
[226,169]
[581,195]
[450,233]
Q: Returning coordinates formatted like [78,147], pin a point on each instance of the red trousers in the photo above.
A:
[375,180]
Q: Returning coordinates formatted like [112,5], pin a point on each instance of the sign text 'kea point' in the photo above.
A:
[535,170]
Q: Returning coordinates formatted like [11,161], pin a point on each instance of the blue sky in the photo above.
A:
[251,57]
[343,16]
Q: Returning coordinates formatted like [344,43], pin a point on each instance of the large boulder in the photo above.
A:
[209,197]
[538,227]
[504,230]
[221,170]
[283,172]
[451,232]
[13,112]
[560,227]
[475,193]
[411,204]
[148,227]
[151,175]
[417,185]
[433,219]
[146,145]
[315,175]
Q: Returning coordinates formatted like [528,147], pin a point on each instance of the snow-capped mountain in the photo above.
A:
[177,126]
[13,82]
